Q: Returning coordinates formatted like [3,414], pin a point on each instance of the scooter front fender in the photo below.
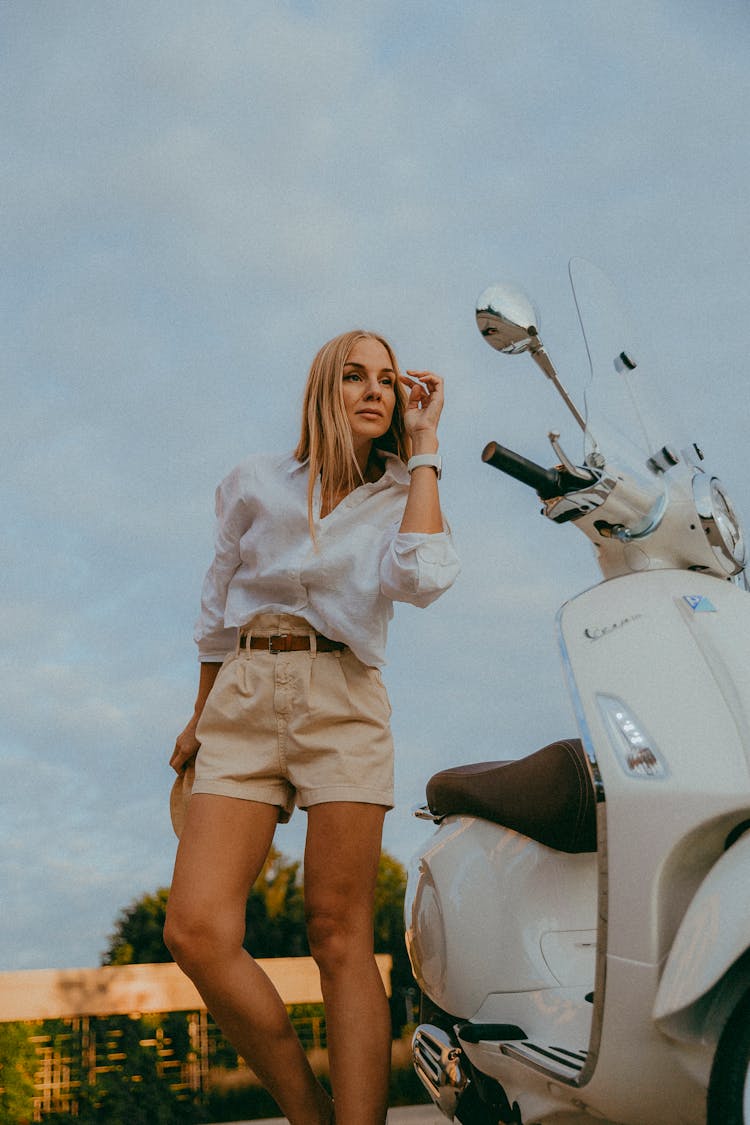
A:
[713,934]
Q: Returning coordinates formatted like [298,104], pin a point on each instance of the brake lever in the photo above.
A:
[570,468]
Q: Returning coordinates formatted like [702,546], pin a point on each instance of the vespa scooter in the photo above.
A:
[579,922]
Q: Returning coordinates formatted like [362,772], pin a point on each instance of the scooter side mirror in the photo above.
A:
[508,320]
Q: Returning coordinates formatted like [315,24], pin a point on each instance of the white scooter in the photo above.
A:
[579,923]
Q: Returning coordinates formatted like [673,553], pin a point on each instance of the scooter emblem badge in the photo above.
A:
[699,604]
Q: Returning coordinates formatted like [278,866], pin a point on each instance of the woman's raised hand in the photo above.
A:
[425,403]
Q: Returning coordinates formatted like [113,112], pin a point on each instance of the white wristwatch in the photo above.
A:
[434,460]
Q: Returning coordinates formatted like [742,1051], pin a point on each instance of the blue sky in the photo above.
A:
[196,196]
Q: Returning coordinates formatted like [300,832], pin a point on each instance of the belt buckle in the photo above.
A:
[279,642]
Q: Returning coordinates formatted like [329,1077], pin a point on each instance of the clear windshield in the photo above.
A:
[621,425]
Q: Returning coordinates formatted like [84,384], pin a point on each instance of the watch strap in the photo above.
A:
[433,460]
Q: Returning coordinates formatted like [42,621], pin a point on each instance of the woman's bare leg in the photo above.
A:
[341,864]
[222,850]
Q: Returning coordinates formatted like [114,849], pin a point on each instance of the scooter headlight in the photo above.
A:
[720,522]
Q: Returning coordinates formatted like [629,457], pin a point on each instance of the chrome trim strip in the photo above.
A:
[600,981]
[719,539]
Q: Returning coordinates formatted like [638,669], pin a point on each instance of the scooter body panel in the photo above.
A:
[624,640]
[619,640]
[467,937]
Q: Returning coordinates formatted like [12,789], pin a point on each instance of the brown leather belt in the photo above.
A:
[288,642]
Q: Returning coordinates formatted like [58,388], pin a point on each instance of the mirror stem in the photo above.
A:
[545,363]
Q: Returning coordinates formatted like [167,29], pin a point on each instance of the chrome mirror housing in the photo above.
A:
[508,320]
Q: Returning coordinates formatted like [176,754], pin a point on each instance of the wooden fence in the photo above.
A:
[80,996]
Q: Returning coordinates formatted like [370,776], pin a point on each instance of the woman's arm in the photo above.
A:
[422,512]
[187,745]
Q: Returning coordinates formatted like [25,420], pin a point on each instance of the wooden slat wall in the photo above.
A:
[42,994]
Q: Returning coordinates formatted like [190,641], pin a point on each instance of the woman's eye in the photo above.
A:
[350,376]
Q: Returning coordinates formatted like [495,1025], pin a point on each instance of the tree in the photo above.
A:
[18,1066]
[138,936]
[390,890]
[275,912]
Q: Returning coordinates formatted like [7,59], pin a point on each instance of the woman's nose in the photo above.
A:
[374,390]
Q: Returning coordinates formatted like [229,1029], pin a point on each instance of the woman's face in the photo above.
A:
[369,390]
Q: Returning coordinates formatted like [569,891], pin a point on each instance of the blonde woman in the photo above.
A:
[311,551]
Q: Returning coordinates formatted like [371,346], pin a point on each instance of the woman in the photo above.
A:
[311,551]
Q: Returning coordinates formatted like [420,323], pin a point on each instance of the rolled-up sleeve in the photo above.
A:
[215,641]
[418,568]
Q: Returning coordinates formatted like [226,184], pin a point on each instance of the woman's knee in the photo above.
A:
[181,937]
[194,938]
[336,941]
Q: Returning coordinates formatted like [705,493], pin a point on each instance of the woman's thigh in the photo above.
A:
[341,866]
[222,849]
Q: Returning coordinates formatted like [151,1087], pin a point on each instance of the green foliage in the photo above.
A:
[405,1087]
[247,1104]
[389,904]
[389,937]
[131,1091]
[138,936]
[275,913]
[18,1065]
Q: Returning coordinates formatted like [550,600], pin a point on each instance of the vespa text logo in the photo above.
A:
[596,632]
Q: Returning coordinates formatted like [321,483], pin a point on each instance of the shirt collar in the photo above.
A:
[395,469]
[292,465]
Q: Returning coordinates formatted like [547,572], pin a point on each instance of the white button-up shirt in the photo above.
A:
[344,585]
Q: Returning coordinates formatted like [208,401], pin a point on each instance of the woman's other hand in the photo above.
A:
[186,746]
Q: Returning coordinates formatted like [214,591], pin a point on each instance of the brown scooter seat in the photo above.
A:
[548,795]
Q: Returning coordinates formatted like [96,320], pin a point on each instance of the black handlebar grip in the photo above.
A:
[545,482]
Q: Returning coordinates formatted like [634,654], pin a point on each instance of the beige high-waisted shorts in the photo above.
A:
[295,728]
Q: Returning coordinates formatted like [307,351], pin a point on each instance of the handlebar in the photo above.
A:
[547,483]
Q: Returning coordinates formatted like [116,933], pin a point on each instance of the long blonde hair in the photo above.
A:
[326,438]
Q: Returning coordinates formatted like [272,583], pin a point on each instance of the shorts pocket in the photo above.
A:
[366,688]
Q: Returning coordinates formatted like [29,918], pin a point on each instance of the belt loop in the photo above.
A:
[243,633]
[313,643]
